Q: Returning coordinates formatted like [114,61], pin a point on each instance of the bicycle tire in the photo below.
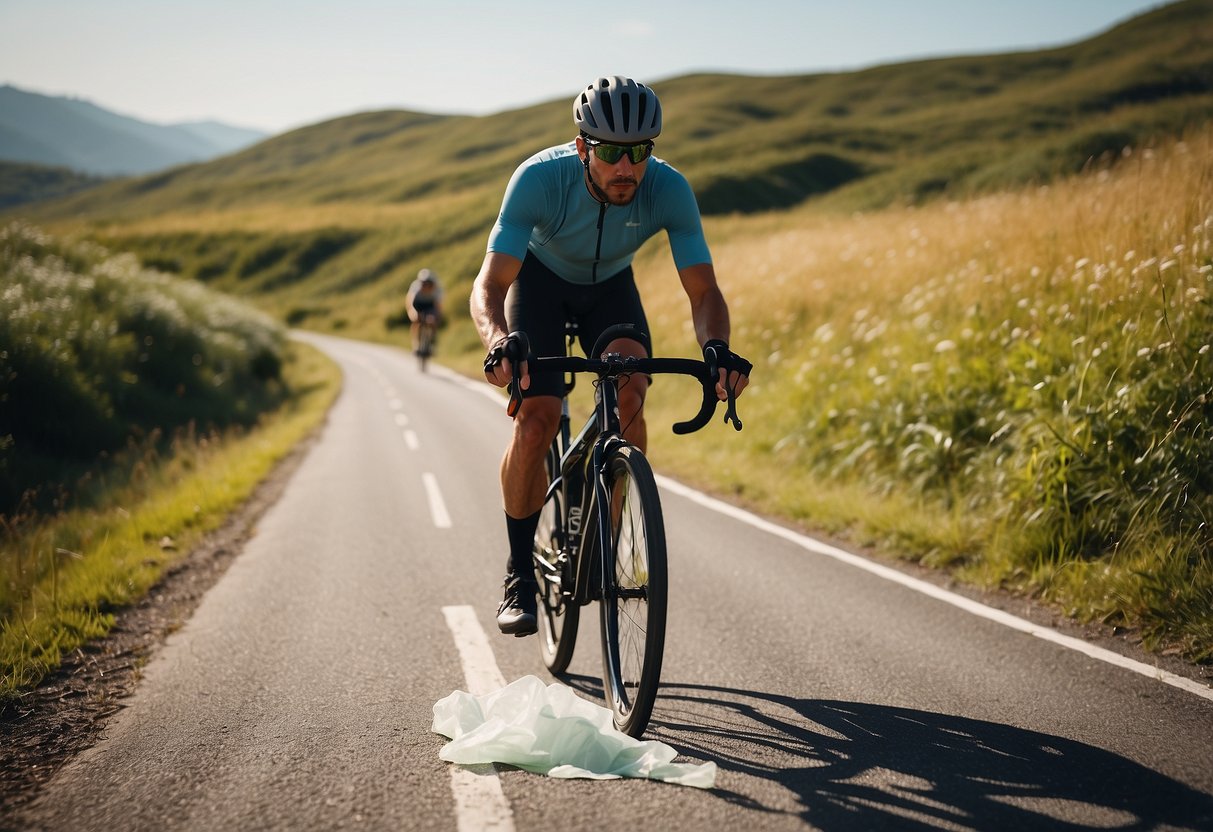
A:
[633,607]
[425,345]
[558,619]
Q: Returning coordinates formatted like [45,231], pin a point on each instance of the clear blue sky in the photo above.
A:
[277,64]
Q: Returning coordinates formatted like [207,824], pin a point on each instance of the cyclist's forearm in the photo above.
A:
[487,302]
[710,315]
[488,314]
[709,311]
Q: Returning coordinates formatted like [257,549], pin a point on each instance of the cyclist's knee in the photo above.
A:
[631,399]
[536,423]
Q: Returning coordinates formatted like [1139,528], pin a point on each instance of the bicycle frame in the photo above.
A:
[584,458]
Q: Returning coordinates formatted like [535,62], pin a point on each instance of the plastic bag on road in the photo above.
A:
[548,729]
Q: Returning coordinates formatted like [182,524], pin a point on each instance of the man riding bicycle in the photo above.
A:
[572,219]
[423,302]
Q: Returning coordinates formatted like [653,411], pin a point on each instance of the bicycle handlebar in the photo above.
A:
[614,365]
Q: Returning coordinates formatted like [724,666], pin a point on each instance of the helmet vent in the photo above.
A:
[585,111]
[608,112]
[627,111]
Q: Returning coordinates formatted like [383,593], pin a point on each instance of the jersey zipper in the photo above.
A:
[598,248]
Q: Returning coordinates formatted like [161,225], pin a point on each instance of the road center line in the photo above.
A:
[966,604]
[475,654]
[437,507]
[479,801]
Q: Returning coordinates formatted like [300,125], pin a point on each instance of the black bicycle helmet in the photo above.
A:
[617,109]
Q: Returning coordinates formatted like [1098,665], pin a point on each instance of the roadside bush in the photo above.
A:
[96,351]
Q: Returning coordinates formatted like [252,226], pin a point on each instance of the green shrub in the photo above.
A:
[95,351]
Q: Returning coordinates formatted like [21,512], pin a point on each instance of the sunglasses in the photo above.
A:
[612,153]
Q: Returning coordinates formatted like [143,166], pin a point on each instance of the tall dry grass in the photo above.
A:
[1019,387]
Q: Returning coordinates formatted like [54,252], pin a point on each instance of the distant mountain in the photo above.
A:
[76,134]
[225,137]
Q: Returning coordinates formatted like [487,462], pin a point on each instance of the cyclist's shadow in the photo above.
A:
[854,765]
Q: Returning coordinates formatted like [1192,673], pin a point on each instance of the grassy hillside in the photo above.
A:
[21,184]
[325,224]
[1016,387]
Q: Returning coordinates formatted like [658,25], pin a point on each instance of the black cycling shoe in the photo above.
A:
[516,615]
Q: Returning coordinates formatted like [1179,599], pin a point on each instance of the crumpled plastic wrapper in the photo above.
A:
[548,729]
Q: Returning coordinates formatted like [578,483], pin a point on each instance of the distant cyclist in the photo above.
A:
[423,303]
[572,218]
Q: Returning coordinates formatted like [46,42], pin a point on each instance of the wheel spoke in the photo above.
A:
[633,613]
[558,619]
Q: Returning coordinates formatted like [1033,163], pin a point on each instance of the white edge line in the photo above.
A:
[966,604]
[437,507]
[480,804]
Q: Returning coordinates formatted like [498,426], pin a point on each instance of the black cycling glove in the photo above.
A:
[719,357]
[516,347]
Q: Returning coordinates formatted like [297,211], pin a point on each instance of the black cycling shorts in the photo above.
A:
[540,302]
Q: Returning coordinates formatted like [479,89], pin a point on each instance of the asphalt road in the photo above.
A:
[300,694]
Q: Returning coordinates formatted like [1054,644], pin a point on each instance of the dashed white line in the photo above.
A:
[479,801]
[437,507]
[479,664]
[410,439]
[401,420]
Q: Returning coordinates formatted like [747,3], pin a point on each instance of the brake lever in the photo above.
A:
[517,350]
[730,412]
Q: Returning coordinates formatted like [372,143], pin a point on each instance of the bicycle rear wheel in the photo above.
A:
[558,618]
[425,345]
[634,603]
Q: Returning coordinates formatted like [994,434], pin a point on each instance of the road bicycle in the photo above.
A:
[602,498]
[427,332]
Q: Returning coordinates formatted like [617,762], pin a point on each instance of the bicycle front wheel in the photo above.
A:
[634,599]
[558,616]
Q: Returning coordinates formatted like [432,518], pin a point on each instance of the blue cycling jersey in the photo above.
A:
[548,210]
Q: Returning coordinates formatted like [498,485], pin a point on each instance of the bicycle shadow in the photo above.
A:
[855,765]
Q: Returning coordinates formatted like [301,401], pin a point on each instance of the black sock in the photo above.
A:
[522,539]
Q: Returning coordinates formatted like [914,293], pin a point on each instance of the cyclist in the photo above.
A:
[571,220]
[424,300]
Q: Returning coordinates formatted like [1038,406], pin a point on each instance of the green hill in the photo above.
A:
[21,183]
[325,224]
